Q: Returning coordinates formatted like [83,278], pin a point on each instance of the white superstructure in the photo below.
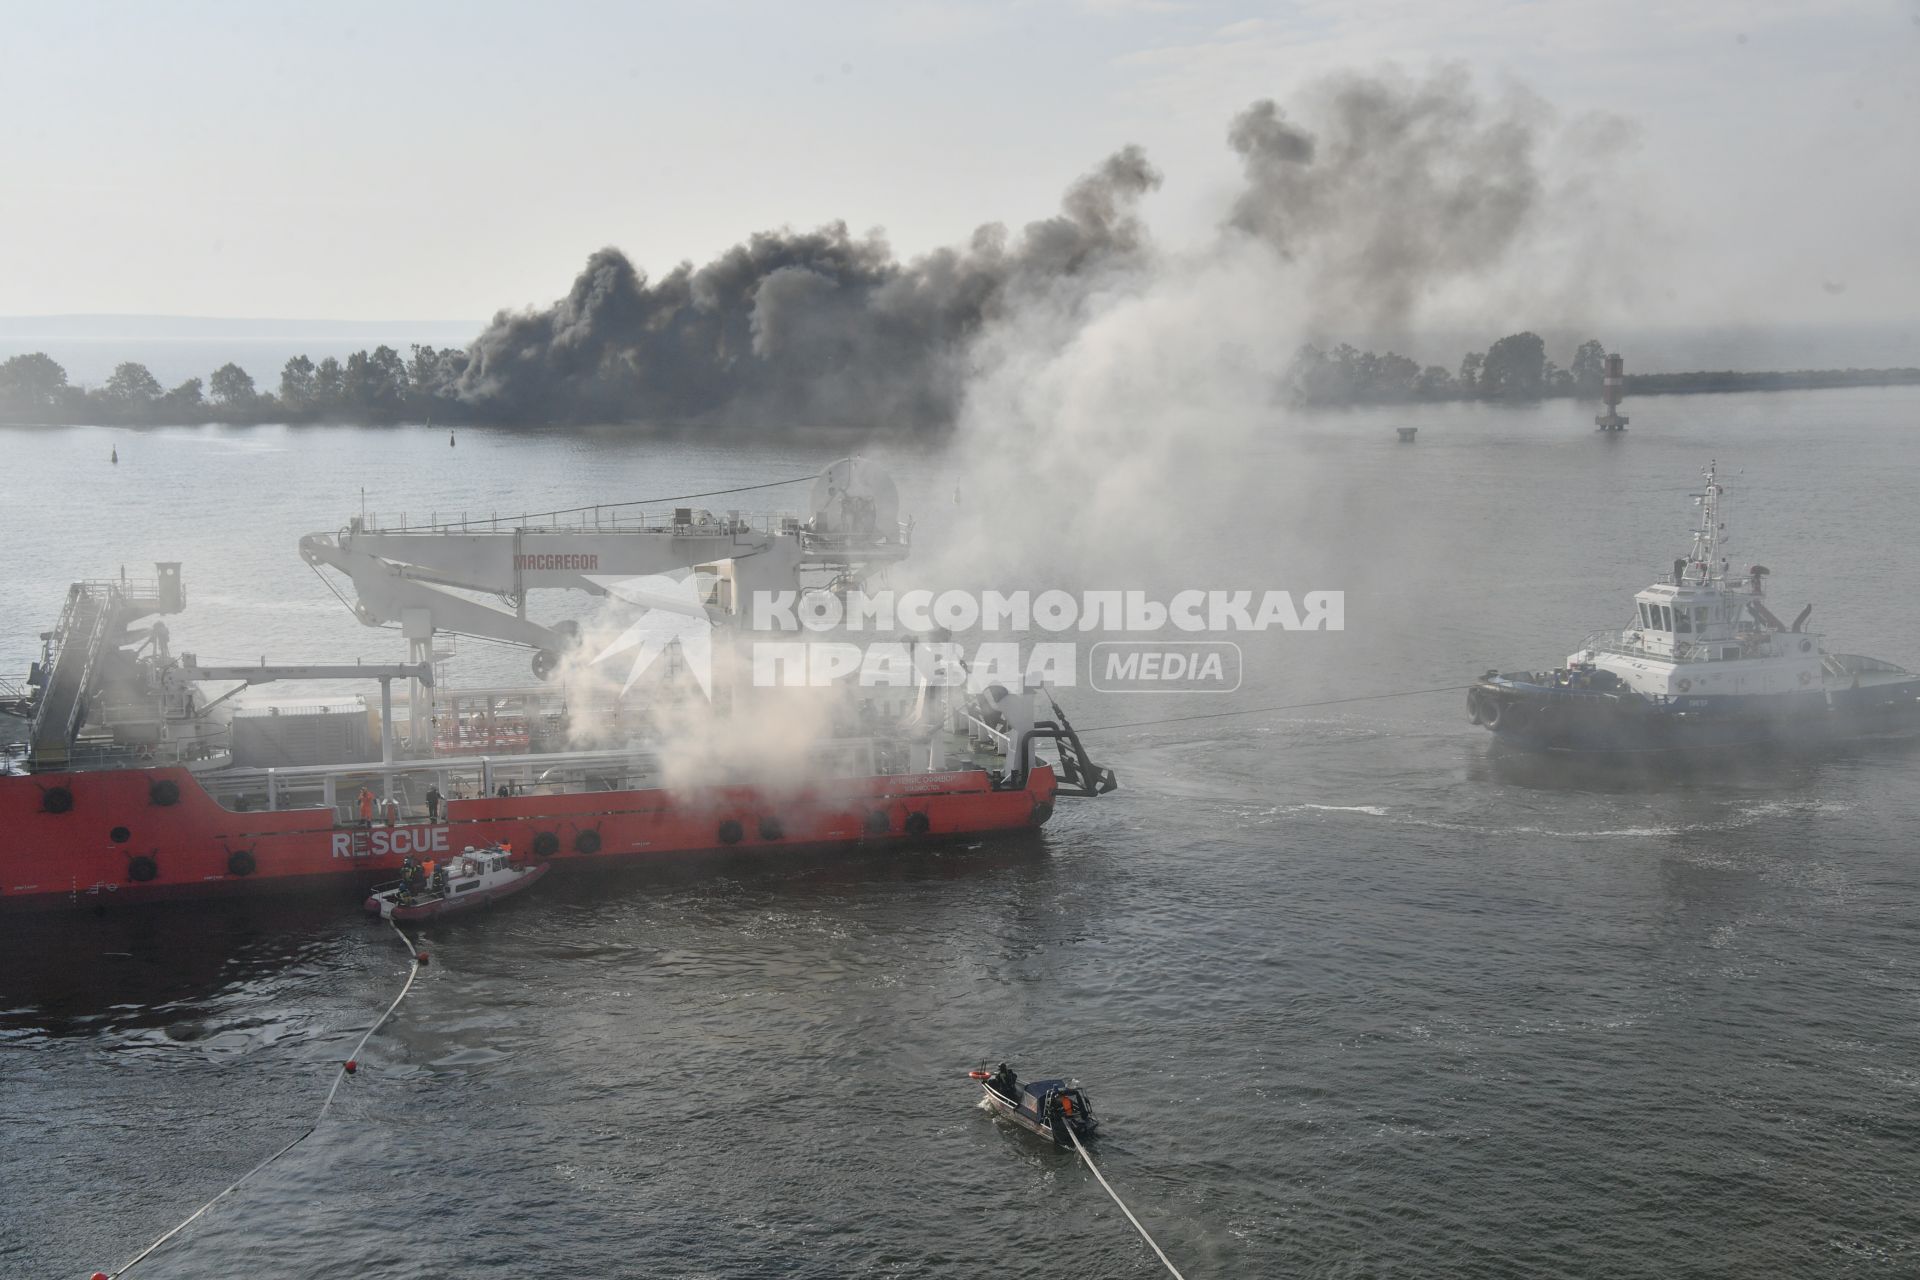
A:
[1707,632]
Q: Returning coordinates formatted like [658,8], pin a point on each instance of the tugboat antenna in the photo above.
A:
[1707,538]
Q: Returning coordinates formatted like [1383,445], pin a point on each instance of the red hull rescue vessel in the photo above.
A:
[128,776]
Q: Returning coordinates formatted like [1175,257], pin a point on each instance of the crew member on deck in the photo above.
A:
[433,804]
[366,806]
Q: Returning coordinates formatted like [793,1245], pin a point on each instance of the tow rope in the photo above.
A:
[1287,706]
[1095,1171]
[346,1068]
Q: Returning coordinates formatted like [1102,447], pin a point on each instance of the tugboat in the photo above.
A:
[1049,1108]
[1704,665]
[473,879]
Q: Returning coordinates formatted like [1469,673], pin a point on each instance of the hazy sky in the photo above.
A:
[384,161]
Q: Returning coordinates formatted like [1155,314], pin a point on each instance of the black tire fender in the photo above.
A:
[731,832]
[546,844]
[241,862]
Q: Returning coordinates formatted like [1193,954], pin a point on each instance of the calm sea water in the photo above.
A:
[1351,999]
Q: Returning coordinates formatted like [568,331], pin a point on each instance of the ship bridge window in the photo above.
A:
[1680,622]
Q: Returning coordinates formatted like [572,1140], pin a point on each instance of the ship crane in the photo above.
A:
[415,575]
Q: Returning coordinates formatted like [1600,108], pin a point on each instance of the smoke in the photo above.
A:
[1402,187]
[723,731]
[1153,396]
[795,328]
[1390,198]
[1115,406]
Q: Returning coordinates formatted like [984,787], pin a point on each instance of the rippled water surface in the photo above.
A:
[1352,997]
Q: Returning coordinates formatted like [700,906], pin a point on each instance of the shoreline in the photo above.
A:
[268,411]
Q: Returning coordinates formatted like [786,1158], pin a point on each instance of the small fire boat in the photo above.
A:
[472,879]
[1050,1108]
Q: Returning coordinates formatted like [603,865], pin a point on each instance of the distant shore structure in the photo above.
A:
[1612,384]
[1407,434]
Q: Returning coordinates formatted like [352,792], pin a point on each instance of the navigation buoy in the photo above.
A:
[450,440]
[421,956]
[116,454]
[353,1065]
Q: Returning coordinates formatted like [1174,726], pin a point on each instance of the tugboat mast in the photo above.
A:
[1706,560]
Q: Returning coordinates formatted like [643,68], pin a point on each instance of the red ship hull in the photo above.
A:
[148,835]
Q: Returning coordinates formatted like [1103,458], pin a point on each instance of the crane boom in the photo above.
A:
[416,575]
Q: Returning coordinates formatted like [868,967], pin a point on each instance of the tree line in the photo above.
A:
[1514,368]
[381,386]
[378,386]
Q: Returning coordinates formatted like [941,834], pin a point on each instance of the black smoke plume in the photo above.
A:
[794,328]
[1402,187]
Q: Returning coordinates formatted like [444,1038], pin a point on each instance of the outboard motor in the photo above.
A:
[1068,1109]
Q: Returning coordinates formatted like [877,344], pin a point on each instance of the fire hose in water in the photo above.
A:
[1095,1171]
[347,1067]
